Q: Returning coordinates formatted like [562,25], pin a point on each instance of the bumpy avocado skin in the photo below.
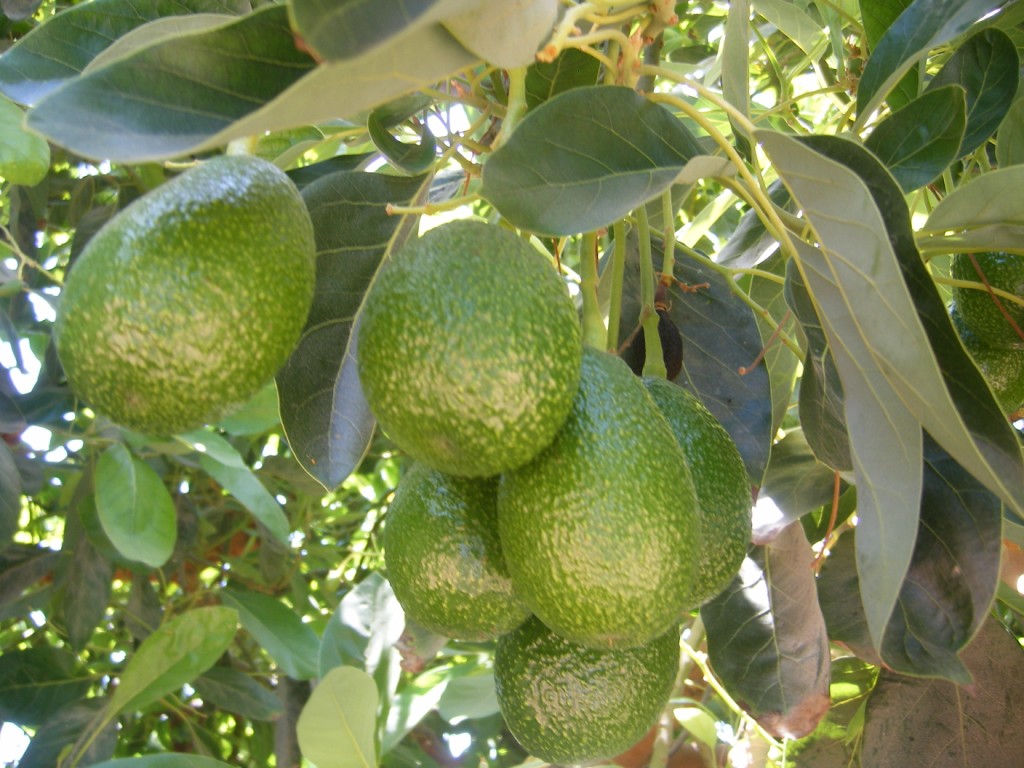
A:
[469,350]
[720,479]
[978,311]
[190,299]
[444,559]
[568,704]
[601,532]
[1002,367]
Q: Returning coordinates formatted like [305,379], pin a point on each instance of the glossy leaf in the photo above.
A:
[367,622]
[983,214]
[987,67]
[24,156]
[766,637]
[325,416]
[410,157]
[237,692]
[60,50]
[338,726]
[506,33]
[822,413]
[586,158]
[919,141]
[949,724]
[135,508]
[572,68]
[179,651]
[924,25]
[37,681]
[10,495]
[292,644]
[878,16]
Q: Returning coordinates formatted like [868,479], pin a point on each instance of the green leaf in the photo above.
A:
[326,418]
[367,622]
[10,495]
[1010,137]
[135,508]
[238,692]
[585,158]
[406,156]
[176,653]
[794,21]
[59,50]
[85,591]
[506,33]
[154,32]
[950,724]
[919,141]
[24,156]
[766,637]
[924,25]
[34,682]
[735,55]
[984,214]
[292,644]
[839,595]
[337,727]
[62,728]
[469,696]
[878,16]
[572,68]
[163,761]
[242,483]
[796,481]
[883,316]
[987,68]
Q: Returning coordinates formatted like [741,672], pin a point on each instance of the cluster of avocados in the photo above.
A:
[991,327]
[557,502]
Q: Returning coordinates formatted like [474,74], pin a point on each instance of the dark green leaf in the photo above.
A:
[178,652]
[60,49]
[144,612]
[987,68]
[1010,138]
[237,692]
[35,682]
[586,158]
[337,727]
[750,241]
[85,591]
[796,481]
[839,597]
[326,418]
[163,761]
[22,566]
[878,17]
[135,508]
[62,728]
[367,622]
[10,495]
[766,637]
[572,68]
[292,644]
[919,141]
[242,483]
[924,25]
[306,175]
[822,414]
[406,156]
[948,724]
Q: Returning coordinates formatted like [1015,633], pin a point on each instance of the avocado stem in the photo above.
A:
[594,333]
[654,361]
[618,273]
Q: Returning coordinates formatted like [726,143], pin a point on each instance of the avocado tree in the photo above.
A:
[780,206]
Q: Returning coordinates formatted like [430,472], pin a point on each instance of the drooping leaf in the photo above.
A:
[839,595]
[85,590]
[822,413]
[924,25]
[338,726]
[880,306]
[237,692]
[767,640]
[585,158]
[983,214]
[10,495]
[325,416]
[176,653]
[506,33]
[735,56]
[919,141]
[34,682]
[572,68]
[199,91]
[21,566]
[57,51]
[60,730]
[292,644]
[24,156]
[135,507]
[949,724]
[367,622]
[986,66]
[242,483]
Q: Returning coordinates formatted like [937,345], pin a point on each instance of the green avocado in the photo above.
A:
[720,479]
[443,556]
[569,704]
[602,531]
[469,349]
[984,314]
[1002,367]
[189,300]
